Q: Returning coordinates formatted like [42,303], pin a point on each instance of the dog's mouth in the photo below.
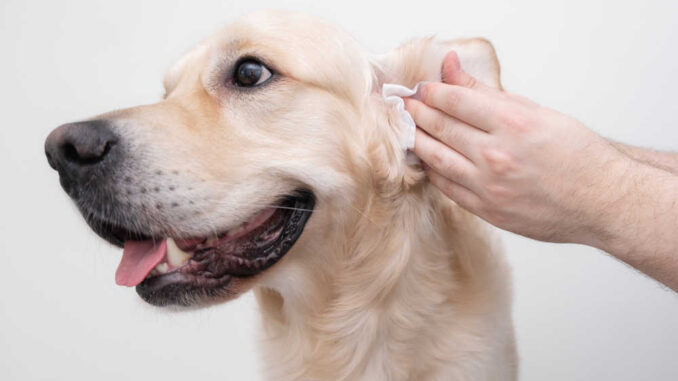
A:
[168,270]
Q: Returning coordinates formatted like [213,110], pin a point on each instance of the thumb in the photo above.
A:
[453,74]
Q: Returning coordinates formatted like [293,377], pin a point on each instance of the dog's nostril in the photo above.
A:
[86,152]
[72,147]
[70,153]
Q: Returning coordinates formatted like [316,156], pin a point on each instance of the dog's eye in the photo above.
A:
[251,73]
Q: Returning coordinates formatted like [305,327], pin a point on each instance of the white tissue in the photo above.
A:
[393,95]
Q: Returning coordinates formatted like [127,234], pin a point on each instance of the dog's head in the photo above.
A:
[269,135]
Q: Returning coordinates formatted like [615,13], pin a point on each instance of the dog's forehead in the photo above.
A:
[298,46]
[302,36]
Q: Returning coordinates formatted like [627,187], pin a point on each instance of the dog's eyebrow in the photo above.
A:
[172,75]
[209,58]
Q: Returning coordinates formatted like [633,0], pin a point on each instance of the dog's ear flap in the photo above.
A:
[478,58]
[413,62]
[421,60]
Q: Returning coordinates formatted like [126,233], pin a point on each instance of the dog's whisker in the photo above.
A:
[318,209]
[263,205]
[291,208]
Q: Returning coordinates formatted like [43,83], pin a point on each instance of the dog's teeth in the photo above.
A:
[175,256]
[213,241]
[162,268]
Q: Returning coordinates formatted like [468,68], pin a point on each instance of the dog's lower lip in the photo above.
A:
[158,257]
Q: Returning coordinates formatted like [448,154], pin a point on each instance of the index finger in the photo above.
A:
[476,108]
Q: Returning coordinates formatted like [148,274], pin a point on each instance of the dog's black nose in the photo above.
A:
[75,149]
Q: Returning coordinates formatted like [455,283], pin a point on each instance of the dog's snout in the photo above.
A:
[74,149]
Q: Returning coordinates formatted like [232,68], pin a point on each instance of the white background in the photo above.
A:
[579,314]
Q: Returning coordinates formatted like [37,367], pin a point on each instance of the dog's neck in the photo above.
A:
[384,302]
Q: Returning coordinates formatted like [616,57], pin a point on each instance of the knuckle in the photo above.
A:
[498,194]
[437,160]
[451,168]
[454,136]
[438,126]
[444,163]
[499,162]
[517,121]
[452,99]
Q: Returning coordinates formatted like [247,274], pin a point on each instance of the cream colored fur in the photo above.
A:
[390,280]
[416,289]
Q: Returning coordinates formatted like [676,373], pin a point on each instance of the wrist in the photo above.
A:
[611,211]
[640,204]
[642,230]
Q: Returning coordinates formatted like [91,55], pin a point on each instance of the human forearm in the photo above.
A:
[641,230]
[667,161]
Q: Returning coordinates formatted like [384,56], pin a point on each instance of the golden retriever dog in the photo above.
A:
[273,163]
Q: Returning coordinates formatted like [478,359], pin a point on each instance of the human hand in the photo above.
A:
[519,166]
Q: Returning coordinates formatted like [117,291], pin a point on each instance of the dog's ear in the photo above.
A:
[421,60]
[413,62]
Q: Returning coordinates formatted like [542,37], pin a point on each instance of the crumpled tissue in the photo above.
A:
[393,95]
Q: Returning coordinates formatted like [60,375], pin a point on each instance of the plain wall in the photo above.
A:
[579,314]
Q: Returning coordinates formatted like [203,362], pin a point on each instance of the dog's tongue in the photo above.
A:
[138,259]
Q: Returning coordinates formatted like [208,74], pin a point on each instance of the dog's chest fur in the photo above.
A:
[428,299]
